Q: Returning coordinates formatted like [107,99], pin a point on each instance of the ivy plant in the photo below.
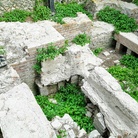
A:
[121,21]
[70,100]
[81,39]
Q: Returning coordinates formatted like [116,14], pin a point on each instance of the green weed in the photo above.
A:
[81,39]
[127,75]
[121,21]
[70,100]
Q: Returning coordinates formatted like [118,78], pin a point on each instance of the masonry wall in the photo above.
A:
[8,5]
[70,30]
[25,69]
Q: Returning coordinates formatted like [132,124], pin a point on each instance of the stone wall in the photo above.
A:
[7,5]
[74,26]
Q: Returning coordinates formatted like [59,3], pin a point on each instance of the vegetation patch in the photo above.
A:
[97,51]
[42,12]
[50,52]
[81,39]
[121,21]
[15,15]
[127,75]
[70,100]
[2,50]
[136,2]
[68,10]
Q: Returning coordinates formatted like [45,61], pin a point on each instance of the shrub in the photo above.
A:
[70,100]
[81,39]
[121,21]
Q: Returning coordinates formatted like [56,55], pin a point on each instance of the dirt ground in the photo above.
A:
[108,61]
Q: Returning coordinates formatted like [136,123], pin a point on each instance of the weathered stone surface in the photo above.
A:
[130,40]
[8,79]
[56,70]
[21,116]
[120,111]
[17,38]
[94,134]
[99,123]
[73,63]
[101,34]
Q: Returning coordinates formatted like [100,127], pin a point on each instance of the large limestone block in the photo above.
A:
[15,37]
[120,111]
[8,79]
[56,70]
[76,61]
[21,116]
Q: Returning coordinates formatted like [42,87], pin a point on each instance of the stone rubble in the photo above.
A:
[68,126]
[118,108]
[94,134]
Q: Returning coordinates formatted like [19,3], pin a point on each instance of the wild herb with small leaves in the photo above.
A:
[127,75]
[121,21]
[70,100]
[81,39]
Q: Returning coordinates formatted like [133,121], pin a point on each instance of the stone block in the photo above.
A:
[21,116]
[118,108]
[99,123]
[56,124]
[61,84]
[94,134]
[74,79]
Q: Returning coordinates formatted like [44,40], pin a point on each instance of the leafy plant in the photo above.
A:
[81,39]
[70,100]
[127,75]
[50,52]
[121,21]
[15,15]
[68,10]
[2,50]
[41,13]
[136,2]
[97,51]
